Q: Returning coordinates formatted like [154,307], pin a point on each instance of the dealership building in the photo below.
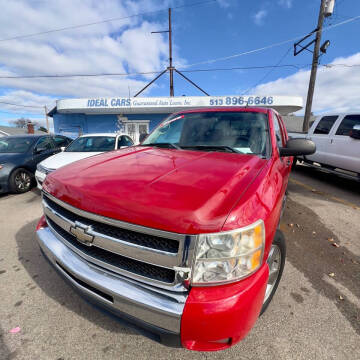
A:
[141,115]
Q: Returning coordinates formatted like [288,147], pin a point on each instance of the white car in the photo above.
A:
[337,139]
[81,148]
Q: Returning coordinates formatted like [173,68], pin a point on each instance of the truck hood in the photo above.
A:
[174,190]
[65,158]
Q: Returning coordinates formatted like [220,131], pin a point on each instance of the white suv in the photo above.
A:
[81,148]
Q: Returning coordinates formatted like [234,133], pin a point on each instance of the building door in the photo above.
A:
[134,128]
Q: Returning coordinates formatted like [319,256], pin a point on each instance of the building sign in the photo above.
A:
[183,102]
[170,104]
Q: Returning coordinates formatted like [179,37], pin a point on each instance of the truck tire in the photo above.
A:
[276,262]
[20,180]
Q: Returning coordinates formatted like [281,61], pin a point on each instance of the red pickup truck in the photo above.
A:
[179,236]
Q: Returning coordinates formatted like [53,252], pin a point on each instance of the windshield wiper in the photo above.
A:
[163,145]
[212,147]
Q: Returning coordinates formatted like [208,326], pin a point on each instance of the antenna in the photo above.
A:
[170,68]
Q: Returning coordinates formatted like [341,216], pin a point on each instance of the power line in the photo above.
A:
[76,75]
[269,72]
[272,67]
[145,73]
[19,112]
[103,21]
[327,66]
[20,105]
[271,45]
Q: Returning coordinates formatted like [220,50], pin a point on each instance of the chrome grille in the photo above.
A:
[145,254]
[133,237]
[127,264]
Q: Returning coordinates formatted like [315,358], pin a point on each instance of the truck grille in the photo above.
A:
[137,267]
[133,237]
[144,254]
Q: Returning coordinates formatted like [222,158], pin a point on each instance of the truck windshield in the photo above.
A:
[92,144]
[15,144]
[240,132]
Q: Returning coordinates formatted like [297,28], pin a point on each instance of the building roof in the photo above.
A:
[165,105]
[10,130]
[52,111]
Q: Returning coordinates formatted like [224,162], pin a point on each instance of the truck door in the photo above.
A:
[284,163]
[320,134]
[343,151]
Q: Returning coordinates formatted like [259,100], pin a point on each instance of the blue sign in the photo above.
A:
[116,102]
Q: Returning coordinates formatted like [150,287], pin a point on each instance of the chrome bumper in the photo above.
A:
[155,307]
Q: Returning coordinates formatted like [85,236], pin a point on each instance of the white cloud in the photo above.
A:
[260,16]
[286,3]
[337,87]
[114,47]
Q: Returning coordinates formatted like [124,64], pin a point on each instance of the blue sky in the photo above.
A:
[200,33]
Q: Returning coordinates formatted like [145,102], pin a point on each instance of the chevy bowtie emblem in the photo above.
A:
[80,231]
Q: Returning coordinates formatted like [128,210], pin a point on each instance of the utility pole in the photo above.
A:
[47,118]
[314,66]
[171,69]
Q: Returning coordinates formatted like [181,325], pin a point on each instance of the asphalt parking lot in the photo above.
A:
[315,313]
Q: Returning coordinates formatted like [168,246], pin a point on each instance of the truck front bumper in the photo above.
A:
[155,313]
[206,319]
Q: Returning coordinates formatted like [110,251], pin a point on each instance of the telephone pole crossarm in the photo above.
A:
[305,47]
[170,68]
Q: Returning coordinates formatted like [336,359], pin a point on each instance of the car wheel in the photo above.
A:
[20,181]
[293,166]
[276,263]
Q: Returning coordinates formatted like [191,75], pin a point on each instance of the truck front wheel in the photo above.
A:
[276,263]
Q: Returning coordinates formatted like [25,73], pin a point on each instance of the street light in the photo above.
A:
[324,46]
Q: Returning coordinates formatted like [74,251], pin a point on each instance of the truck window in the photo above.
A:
[325,124]
[347,124]
[278,134]
[245,131]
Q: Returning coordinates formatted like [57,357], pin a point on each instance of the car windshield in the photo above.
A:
[240,132]
[15,144]
[92,144]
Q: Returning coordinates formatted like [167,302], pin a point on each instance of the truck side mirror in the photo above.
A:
[355,132]
[296,147]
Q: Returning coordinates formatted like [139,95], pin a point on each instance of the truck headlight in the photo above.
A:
[229,256]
